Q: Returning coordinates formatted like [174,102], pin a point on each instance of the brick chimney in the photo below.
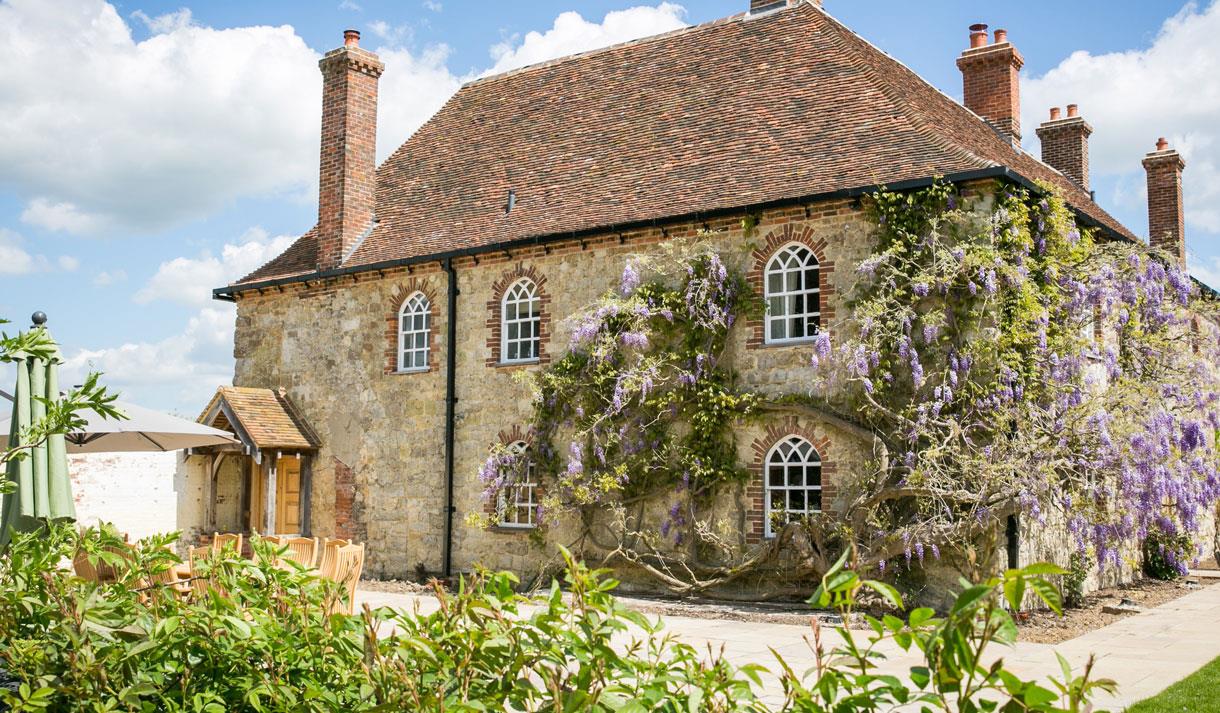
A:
[1065,144]
[347,177]
[991,84]
[1166,224]
[758,6]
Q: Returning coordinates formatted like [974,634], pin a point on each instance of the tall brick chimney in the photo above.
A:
[347,177]
[991,84]
[1166,220]
[1065,144]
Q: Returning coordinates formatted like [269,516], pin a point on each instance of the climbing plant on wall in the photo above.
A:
[998,359]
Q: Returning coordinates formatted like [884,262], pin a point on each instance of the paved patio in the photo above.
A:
[1144,652]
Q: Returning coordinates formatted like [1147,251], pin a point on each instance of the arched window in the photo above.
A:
[791,290]
[516,504]
[520,322]
[794,482]
[413,326]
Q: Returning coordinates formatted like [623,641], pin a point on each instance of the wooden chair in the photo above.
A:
[302,550]
[200,584]
[101,571]
[170,578]
[329,546]
[221,541]
[345,568]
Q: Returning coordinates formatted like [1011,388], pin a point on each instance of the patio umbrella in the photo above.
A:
[143,430]
[43,491]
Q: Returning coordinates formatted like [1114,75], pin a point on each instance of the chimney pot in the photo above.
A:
[1162,144]
[1073,110]
[978,35]
[1054,113]
[1001,36]
[351,38]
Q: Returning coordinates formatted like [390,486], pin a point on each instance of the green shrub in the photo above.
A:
[268,644]
[1166,555]
[1073,581]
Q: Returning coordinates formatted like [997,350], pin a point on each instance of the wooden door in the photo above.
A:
[288,496]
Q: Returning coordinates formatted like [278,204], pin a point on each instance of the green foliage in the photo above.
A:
[1165,555]
[262,641]
[1073,581]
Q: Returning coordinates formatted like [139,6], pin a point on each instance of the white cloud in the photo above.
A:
[396,35]
[14,260]
[67,263]
[190,281]
[61,217]
[106,278]
[413,88]
[572,33]
[349,5]
[1131,98]
[121,134]
[433,5]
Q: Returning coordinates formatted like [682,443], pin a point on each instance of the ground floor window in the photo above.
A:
[794,482]
[517,504]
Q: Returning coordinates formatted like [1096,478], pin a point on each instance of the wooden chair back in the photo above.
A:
[169,578]
[302,550]
[228,539]
[348,564]
[100,571]
[199,583]
[329,547]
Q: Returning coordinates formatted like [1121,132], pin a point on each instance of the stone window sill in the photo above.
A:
[512,364]
[417,370]
[793,343]
[512,529]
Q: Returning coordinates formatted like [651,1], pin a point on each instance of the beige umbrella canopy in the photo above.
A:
[143,430]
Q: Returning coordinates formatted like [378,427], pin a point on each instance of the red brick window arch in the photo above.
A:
[518,318]
[791,271]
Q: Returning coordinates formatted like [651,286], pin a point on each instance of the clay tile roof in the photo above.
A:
[734,113]
[266,416]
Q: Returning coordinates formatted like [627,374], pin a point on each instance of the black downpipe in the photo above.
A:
[450,401]
[1013,535]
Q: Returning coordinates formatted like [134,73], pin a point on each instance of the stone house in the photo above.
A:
[384,342]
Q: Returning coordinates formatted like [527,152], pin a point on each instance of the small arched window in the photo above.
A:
[517,503]
[794,482]
[413,331]
[791,289]
[520,322]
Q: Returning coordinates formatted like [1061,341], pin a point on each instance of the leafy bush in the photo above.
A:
[1073,581]
[262,640]
[1166,555]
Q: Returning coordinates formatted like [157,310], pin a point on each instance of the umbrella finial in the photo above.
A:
[39,318]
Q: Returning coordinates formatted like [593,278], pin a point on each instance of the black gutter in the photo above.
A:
[450,401]
[999,172]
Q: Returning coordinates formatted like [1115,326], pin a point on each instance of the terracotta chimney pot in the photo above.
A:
[978,35]
[1054,113]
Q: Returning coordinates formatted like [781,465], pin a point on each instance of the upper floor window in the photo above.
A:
[791,290]
[794,482]
[413,326]
[517,504]
[520,322]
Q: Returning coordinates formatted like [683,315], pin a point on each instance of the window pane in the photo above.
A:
[777,475]
[794,281]
[777,500]
[796,500]
[811,278]
[779,329]
[815,500]
[798,329]
[775,305]
[512,351]
[510,310]
[775,281]
[796,475]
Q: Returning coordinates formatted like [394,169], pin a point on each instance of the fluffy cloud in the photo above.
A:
[106,278]
[1133,97]
[14,260]
[189,281]
[572,33]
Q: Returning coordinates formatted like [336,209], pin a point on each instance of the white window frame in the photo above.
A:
[416,308]
[522,293]
[519,498]
[786,263]
[785,450]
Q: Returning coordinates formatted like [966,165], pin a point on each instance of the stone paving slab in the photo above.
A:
[1144,652]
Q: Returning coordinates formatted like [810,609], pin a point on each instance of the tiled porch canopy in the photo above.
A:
[263,420]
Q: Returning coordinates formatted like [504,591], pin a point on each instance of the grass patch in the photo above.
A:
[1195,693]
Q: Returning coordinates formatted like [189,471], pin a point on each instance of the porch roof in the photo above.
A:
[264,419]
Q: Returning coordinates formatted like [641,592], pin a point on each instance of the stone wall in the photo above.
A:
[329,345]
[138,492]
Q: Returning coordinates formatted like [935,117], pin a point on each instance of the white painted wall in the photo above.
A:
[135,491]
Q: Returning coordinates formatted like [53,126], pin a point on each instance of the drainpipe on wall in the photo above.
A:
[450,401]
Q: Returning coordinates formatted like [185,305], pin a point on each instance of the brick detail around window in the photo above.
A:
[397,298]
[756,489]
[494,306]
[776,239]
[507,437]
[349,523]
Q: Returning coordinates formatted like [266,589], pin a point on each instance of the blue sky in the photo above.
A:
[152,150]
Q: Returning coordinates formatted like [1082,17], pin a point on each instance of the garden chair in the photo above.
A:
[170,578]
[200,585]
[329,546]
[345,568]
[100,571]
[302,550]
[220,542]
